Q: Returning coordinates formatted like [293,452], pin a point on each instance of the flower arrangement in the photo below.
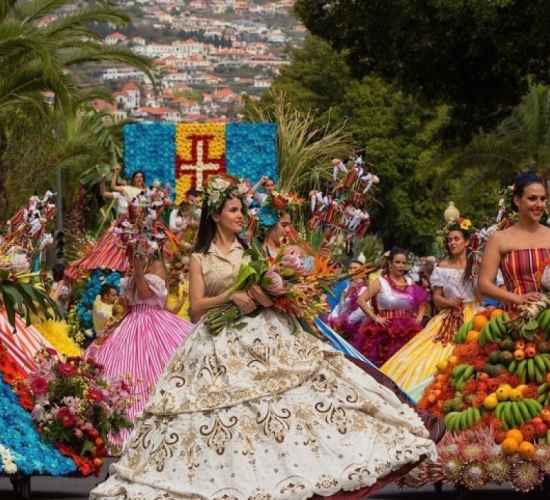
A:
[80,316]
[75,408]
[292,288]
[30,454]
[497,382]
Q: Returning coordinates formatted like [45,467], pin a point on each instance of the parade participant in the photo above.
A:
[396,314]
[523,250]
[60,291]
[347,315]
[110,252]
[145,340]
[260,411]
[102,313]
[413,366]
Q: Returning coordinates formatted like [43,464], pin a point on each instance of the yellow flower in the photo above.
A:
[465,224]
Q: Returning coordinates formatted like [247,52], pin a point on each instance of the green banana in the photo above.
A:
[533,406]
[522,368]
[531,369]
[512,367]
[518,417]
[524,410]
[539,361]
[542,389]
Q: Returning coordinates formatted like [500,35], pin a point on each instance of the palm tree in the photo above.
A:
[37,56]
[521,141]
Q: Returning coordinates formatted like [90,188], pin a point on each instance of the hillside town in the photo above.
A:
[209,54]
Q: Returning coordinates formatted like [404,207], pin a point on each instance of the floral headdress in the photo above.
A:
[221,188]
[275,205]
[461,224]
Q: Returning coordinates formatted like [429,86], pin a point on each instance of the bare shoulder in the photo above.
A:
[444,264]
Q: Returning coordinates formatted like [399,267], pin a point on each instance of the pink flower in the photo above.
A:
[273,283]
[39,386]
[65,416]
[66,370]
[78,433]
[94,395]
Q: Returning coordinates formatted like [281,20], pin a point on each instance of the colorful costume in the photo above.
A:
[142,344]
[399,306]
[110,251]
[262,411]
[522,269]
[413,366]
[347,314]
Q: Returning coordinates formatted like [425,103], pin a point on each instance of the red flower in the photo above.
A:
[65,416]
[94,395]
[66,370]
[39,386]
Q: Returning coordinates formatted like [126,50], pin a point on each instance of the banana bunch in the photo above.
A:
[533,369]
[543,321]
[460,420]
[460,336]
[494,330]
[516,413]
[544,394]
[461,374]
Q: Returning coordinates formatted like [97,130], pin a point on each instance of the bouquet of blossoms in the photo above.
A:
[76,409]
[294,285]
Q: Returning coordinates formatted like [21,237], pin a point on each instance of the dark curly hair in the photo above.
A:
[522,182]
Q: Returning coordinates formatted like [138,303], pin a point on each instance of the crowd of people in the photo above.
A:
[247,382]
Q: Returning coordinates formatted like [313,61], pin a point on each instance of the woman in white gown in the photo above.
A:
[259,412]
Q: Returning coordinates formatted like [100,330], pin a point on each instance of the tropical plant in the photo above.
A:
[305,149]
[42,49]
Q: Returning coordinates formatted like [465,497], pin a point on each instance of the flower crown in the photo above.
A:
[277,203]
[221,188]
[461,224]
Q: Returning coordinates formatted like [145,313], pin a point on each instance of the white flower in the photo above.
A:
[7,460]
[215,197]
[219,184]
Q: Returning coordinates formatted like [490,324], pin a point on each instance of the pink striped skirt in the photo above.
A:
[108,253]
[140,348]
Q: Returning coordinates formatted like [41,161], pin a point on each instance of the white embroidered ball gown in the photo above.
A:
[263,413]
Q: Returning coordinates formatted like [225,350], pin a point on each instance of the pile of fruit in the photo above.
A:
[497,382]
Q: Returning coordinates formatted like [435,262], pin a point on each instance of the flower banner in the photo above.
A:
[187,154]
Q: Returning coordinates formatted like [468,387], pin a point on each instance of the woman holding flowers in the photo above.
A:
[398,306]
[413,366]
[261,409]
[143,343]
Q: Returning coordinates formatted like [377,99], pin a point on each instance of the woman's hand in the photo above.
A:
[527,298]
[245,304]
[380,321]
[455,303]
[259,296]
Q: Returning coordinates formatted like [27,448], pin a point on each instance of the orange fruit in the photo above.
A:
[453,360]
[509,446]
[496,313]
[526,449]
[480,321]
[515,434]
[472,337]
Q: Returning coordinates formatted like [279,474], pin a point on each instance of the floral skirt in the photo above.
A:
[379,343]
[260,412]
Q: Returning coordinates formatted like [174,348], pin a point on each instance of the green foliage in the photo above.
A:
[305,149]
[475,55]
[36,138]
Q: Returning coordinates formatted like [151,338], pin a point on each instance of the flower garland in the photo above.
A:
[8,465]
[31,455]
[75,408]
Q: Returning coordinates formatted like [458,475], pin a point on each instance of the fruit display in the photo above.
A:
[494,389]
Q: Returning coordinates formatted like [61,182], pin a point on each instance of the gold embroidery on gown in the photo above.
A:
[261,413]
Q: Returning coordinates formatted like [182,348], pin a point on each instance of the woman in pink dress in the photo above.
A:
[145,340]
[398,306]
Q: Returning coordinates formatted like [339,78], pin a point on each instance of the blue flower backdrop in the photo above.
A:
[185,155]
